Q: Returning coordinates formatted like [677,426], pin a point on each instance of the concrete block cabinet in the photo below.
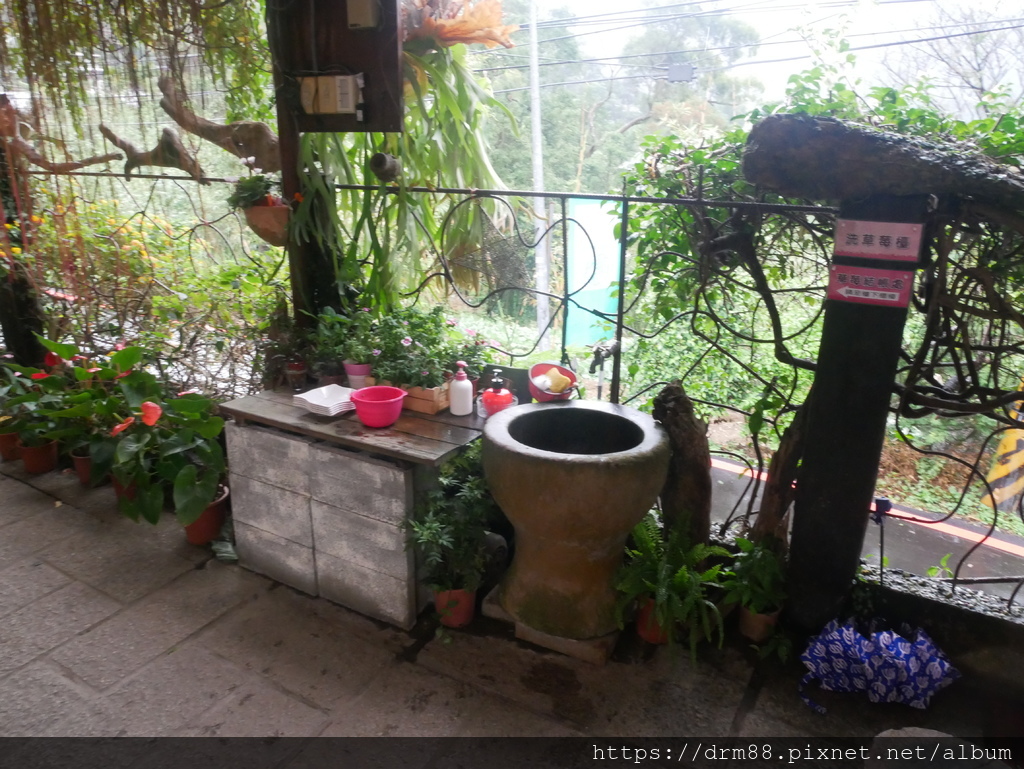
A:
[318,502]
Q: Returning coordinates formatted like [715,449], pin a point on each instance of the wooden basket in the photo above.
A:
[422,400]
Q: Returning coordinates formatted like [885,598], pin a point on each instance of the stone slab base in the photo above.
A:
[593,650]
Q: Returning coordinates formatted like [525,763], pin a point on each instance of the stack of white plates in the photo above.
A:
[327,401]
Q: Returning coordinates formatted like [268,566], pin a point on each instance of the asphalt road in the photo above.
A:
[914,540]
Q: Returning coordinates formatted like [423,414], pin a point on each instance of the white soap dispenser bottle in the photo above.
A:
[461,396]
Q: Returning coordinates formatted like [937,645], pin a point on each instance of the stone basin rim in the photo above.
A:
[496,430]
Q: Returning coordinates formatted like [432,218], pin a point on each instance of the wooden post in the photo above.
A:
[869,289]
[315,38]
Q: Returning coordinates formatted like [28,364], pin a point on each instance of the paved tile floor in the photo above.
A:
[111,628]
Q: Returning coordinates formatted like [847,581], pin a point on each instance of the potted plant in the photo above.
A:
[415,355]
[12,385]
[757,582]
[83,399]
[450,534]
[668,579]
[162,445]
[472,348]
[344,345]
[265,212]
[30,418]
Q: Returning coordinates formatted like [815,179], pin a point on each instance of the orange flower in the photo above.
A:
[150,413]
[123,426]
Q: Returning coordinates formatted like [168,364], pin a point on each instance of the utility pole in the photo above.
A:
[542,268]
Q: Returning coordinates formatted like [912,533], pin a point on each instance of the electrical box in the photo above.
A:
[331,94]
[680,73]
[321,46]
[363,14]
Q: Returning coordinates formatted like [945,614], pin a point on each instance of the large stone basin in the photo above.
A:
[573,479]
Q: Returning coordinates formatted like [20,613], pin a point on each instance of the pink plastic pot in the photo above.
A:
[379,405]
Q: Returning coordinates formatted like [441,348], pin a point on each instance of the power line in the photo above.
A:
[579,82]
[777,61]
[876,45]
[714,12]
[616,59]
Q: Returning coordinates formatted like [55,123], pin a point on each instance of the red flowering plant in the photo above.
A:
[13,387]
[33,398]
[163,446]
[75,399]
[156,443]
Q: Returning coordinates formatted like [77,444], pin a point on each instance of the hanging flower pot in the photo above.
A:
[456,607]
[39,459]
[647,625]
[207,526]
[269,222]
[83,467]
[9,450]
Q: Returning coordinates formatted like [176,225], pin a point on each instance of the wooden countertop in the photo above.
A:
[419,438]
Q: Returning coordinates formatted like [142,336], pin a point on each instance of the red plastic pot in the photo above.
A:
[379,405]
[647,625]
[456,607]
[9,447]
[39,459]
[83,467]
[123,492]
[207,526]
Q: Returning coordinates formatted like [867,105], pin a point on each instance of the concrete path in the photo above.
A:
[111,628]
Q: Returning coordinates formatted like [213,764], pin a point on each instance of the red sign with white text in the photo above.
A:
[878,240]
[888,288]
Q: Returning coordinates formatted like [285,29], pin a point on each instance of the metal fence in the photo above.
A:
[606,305]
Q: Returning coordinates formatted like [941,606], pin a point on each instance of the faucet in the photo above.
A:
[603,351]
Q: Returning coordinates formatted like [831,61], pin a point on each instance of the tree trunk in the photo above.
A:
[827,159]
[778,489]
[21,315]
[686,495]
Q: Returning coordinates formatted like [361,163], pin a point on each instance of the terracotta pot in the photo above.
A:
[39,459]
[207,526]
[269,222]
[456,607]
[757,627]
[9,447]
[647,625]
[83,467]
[123,492]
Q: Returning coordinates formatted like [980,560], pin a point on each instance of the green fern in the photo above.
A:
[672,572]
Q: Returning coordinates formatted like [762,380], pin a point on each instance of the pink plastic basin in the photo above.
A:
[379,405]
[543,396]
